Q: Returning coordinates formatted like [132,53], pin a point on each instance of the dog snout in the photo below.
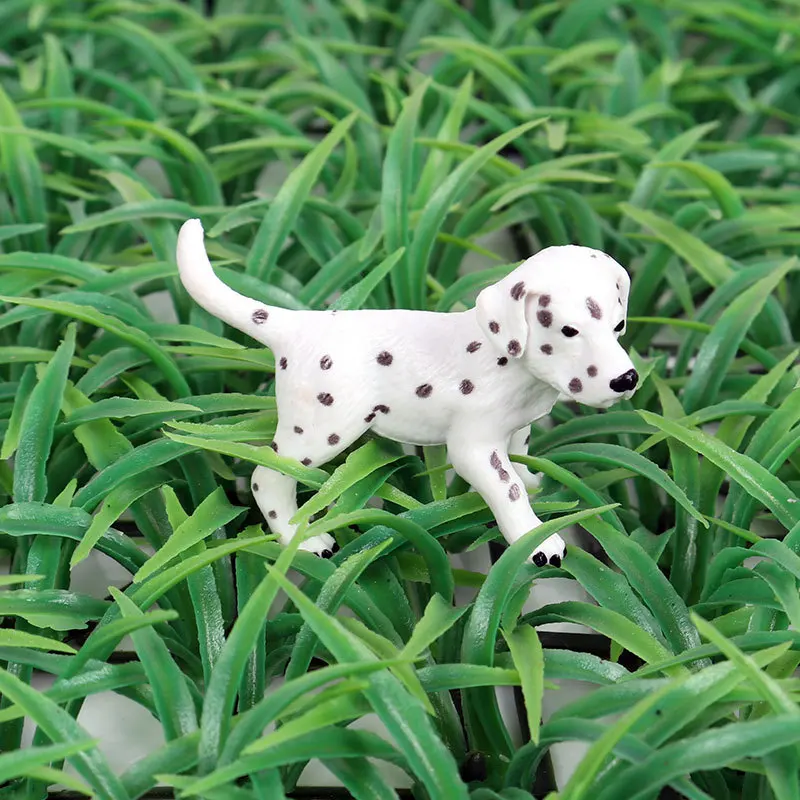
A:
[625,382]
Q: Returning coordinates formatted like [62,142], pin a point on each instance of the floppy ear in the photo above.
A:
[500,310]
[624,285]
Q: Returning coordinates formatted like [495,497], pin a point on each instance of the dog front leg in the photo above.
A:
[488,469]
[519,447]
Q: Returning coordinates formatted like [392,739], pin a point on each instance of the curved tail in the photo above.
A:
[198,277]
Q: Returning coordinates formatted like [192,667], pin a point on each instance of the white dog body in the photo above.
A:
[473,380]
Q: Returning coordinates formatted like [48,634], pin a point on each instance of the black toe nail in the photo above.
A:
[325,554]
[540,559]
[555,561]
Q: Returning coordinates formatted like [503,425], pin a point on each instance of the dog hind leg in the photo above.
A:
[276,493]
[276,496]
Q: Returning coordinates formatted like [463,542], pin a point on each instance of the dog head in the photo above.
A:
[561,314]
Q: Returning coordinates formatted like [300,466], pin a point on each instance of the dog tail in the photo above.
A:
[198,277]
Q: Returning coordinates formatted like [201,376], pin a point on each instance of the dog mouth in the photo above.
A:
[603,404]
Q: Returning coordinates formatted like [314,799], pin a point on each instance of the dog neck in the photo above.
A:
[517,394]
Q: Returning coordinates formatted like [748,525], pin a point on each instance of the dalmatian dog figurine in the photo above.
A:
[473,380]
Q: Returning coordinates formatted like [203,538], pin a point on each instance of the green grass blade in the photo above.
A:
[286,206]
[398,175]
[38,424]
[483,625]
[710,750]
[62,729]
[526,652]
[581,784]
[707,262]
[23,174]
[437,208]
[754,478]
[123,331]
[170,692]
[617,456]
[214,512]
[713,361]
[403,716]
[21,762]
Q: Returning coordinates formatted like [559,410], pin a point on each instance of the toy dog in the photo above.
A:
[473,380]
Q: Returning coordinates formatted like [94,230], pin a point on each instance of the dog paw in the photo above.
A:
[323,545]
[550,552]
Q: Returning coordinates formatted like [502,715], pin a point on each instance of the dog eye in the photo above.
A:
[570,332]
[620,326]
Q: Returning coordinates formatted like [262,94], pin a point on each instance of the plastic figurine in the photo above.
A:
[473,380]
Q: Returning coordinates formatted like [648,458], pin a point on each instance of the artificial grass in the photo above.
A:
[664,133]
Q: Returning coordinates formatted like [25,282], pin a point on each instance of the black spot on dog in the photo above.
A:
[527,440]
[333,439]
[514,347]
[260,316]
[473,347]
[547,349]
[306,462]
[274,446]
[385,358]
[540,559]
[326,554]
[466,386]
[592,255]
[369,418]
[514,492]
[272,514]
[545,318]
[517,290]
[381,408]
[497,465]
[283,363]
[544,300]
[325,398]
[575,385]
[326,362]
[494,327]
[298,429]
[555,560]
[255,487]
[502,361]
[591,371]
[424,390]
[594,308]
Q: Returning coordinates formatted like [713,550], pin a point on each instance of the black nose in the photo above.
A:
[625,382]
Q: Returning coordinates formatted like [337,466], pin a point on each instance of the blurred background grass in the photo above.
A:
[397,154]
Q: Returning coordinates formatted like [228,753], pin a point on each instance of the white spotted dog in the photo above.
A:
[474,380]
